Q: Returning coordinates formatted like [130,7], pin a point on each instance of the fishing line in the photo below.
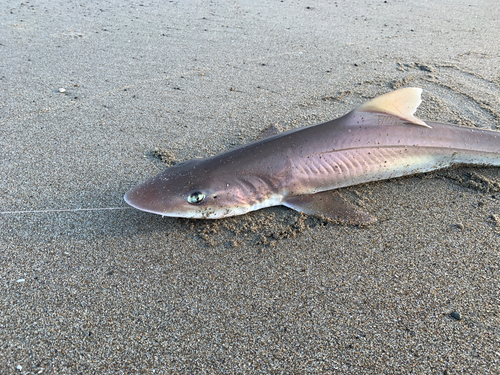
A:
[66,210]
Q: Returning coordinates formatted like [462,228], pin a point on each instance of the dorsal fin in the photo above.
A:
[269,132]
[401,103]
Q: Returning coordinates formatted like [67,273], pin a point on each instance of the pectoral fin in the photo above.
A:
[331,205]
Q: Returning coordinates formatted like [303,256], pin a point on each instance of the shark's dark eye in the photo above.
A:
[196,197]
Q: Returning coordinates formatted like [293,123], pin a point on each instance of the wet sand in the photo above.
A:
[88,92]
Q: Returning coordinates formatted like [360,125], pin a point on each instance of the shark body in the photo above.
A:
[300,169]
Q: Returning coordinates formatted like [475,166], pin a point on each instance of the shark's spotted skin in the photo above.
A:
[381,139]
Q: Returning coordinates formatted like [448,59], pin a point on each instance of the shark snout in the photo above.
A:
[147,197]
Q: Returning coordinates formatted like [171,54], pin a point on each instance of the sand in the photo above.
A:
[90,91]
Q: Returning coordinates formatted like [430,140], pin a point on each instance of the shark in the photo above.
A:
[302,168]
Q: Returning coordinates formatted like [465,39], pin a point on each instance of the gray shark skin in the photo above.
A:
[300,169]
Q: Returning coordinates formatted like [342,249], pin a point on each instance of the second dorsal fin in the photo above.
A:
[401,103]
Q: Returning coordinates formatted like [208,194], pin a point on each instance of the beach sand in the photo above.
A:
[89,91]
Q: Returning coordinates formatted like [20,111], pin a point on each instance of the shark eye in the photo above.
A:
[196,197]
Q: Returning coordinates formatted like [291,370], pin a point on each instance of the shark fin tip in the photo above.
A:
[401,103]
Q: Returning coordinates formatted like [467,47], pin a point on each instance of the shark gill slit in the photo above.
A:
[255,193]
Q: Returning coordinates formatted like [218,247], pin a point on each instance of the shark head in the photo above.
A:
[197,189]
